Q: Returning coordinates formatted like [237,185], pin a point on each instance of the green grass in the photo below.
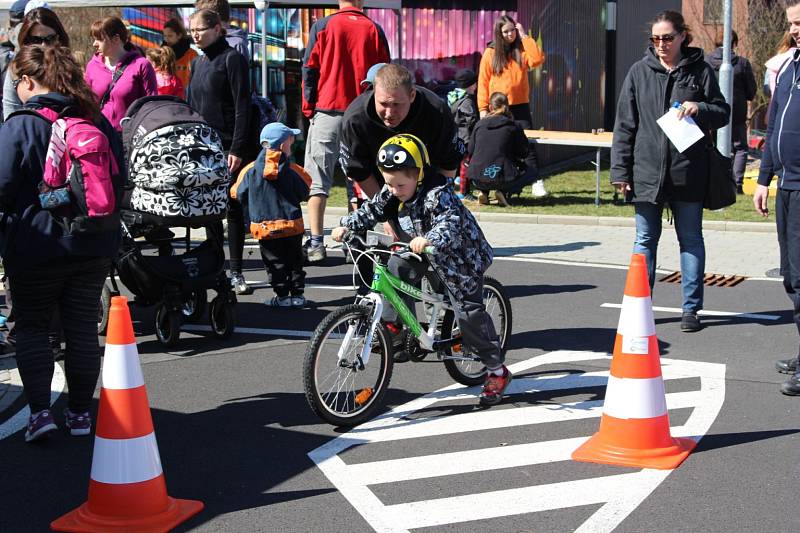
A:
[572,193]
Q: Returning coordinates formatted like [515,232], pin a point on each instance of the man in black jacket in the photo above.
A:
[396,105]
[744,90]
[782,157]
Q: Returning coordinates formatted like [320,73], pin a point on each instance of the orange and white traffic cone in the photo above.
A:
[634,428]
[127,491]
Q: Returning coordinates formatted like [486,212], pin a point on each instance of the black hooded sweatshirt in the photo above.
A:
[641,154]
[497,146]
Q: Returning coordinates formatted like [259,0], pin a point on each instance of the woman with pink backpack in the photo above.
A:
[57,241]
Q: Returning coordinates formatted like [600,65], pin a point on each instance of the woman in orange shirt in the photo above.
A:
[504,68]
[175,37]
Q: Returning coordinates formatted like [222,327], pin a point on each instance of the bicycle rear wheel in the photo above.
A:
[339,388]
[470,371]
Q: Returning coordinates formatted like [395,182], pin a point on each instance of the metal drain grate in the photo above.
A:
[710,280]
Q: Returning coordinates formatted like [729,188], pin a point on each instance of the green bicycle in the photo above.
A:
[349,360]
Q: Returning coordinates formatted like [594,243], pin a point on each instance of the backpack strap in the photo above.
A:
[114,79]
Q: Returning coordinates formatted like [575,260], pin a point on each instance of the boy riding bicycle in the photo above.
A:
[422,209]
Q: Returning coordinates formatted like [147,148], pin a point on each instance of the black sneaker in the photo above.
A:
[787,366]
[690,322]
[792,386]
[398,332]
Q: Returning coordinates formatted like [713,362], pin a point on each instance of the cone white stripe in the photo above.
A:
[636,317]
[121,461]
[635,398]
[121,369]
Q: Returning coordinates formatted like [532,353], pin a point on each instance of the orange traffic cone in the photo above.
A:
[127,491]
[634,428]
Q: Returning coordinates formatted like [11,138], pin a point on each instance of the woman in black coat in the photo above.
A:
[219,89]
[649,169]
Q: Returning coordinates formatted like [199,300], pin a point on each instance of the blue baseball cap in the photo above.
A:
[275,133]
[371,73]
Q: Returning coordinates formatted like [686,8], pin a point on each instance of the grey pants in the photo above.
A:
[477,329]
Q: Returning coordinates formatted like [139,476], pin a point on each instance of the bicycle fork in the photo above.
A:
[352,334]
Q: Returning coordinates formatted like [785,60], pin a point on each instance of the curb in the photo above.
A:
[573,220]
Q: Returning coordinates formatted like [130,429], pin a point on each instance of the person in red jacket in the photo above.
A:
[341,49]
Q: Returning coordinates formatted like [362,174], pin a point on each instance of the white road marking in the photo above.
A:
[254,331]
[620,494]
[704,312]
[265,285]
[20,419]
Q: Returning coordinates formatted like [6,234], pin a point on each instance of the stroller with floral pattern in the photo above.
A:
[178,177]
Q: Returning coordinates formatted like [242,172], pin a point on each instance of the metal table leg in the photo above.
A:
[597,181]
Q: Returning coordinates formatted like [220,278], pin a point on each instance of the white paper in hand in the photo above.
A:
[682,133]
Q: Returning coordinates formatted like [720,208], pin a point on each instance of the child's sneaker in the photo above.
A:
[494,387]
[39,425]
[279,301]
[78,423]
[299,301]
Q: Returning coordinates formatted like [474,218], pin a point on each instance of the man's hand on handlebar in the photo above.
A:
[338,234]
[418,244]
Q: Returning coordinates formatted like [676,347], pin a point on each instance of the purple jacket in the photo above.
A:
[138,79]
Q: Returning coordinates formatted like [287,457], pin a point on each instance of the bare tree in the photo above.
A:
[765,30]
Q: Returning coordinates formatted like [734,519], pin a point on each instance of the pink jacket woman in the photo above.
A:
[114,52]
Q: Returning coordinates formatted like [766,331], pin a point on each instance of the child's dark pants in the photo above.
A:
[283,259]
[477,329]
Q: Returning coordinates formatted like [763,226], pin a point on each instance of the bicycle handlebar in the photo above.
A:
[352,235]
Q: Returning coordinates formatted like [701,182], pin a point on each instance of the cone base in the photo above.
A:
[83,520]
[596,450]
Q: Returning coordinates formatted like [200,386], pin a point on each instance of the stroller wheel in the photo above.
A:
[168,325]
[223,318]
[105,307]
[194,306]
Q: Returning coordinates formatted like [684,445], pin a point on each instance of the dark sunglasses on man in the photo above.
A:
[47,39]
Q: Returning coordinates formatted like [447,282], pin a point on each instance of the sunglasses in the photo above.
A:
[47,39]
[665,38]
[15,83]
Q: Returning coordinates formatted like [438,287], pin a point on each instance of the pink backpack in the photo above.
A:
[79,159]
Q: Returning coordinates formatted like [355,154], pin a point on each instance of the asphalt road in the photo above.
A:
[234,429]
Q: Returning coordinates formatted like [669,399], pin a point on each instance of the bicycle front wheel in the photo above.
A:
[340,387]
[462,366]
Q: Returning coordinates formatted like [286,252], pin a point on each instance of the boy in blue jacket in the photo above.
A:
[271,189]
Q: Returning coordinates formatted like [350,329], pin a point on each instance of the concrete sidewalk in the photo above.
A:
[743,248]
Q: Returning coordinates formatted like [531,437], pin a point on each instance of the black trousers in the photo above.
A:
[522,116]
[477,328]
[283,259]
[71,286]
[787,218]
[236,233]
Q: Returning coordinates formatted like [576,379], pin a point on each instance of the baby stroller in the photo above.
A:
[178,177]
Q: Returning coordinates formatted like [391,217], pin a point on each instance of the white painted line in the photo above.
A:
[265,285]
[20,419]
[254,331]
[524,259]
[619,494]
[704,312]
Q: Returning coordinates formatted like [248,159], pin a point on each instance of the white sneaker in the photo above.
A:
[537,189]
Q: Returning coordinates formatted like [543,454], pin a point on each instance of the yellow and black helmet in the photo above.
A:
[403,151]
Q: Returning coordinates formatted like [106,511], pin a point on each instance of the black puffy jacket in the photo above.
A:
[641,154]
[498,147]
